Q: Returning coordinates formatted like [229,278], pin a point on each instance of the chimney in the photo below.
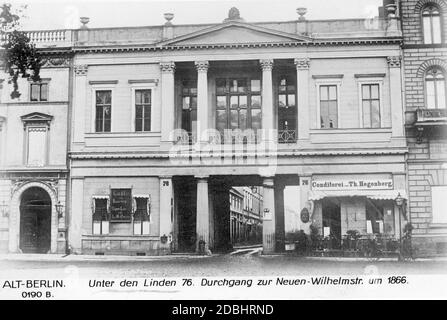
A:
[168,31]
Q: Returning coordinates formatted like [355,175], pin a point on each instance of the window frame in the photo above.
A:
[441,23]
[102,87]
[141,86]
[327,82]
[432,207]
[370,81]
[436,96]
[287,92]
[45,81]
[103,224]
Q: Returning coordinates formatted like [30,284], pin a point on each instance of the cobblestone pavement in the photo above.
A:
[217,265]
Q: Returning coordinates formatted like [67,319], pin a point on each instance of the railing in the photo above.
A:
[431,115]
[287,136]
[44,36]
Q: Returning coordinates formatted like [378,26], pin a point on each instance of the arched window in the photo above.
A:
[431,23]
[435,87]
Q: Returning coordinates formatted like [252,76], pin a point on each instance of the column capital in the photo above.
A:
[394,61]
[202,178]
[268,181]
[202,66]
[302,63]
[266,64]
[80,69]
[165,177]
[167,67]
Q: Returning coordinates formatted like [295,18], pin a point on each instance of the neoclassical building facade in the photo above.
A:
[164,120]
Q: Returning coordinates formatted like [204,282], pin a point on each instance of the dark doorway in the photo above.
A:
[35,221]
[332,220]
[186,192]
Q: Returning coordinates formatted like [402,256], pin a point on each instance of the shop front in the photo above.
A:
[356,207]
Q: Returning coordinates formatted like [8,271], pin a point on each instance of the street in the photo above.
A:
[245,264]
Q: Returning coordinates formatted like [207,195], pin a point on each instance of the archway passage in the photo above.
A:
[35,221]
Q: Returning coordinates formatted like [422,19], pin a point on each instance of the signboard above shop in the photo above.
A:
[352,184]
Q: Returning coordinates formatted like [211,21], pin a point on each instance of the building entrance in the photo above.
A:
[35,221]
[332,222]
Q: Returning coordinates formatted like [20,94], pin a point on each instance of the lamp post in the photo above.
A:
[4,209]
[399,202]
[59,209]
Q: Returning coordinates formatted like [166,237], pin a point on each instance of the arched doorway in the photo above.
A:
[35,221]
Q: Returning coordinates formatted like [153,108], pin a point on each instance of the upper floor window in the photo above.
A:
[37,126]
[238,104]
[371,105]
[328,106]
[435,87]
[189,105]
[431,24]
[39,91]
[287,112]
[143,110]
[103,110]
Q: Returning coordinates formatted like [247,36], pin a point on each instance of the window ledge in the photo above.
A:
[25,103]
[438,225]
[123,134]
[351,130]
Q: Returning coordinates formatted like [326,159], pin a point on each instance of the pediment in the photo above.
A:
[36,117]
[235,33]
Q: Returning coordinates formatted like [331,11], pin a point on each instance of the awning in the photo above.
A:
[371,194]
[100,196]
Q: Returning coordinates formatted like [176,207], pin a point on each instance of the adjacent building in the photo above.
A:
[424,47]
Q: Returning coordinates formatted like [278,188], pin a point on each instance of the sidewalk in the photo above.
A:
[80,257]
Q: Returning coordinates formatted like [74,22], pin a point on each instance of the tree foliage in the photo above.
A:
[19,56]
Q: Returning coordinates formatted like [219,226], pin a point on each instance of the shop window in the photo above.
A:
[379,217]
[101,217]
[435,87]
[370,105]
[141,216]
[103,110]
[439,204]
[431,24]
[328,106]
[39,91]
[143,105]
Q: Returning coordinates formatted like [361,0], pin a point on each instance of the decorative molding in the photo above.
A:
[327,76]
[81,69]
[302,63]
[167,67]
[55,62]
[369,75]
[422,3]
[431,63]
[96,82]
[394,61]
[51,184]
[266,64]
[36,118]
[202,66]
[154,81]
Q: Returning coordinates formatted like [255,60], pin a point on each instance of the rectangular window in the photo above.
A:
[439,204]
[141,223]
[371,105]
[121,204]
[143,110]
[39,91]
[328,106]
[103,110]
[37,138]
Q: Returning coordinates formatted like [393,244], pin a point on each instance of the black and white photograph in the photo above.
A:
[223,150]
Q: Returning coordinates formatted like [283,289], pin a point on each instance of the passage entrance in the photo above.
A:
[35,221]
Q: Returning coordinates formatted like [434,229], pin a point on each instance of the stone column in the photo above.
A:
[79,102]
[397,117]
[167,101]
[203,212]
[268,119]
[279,218]
[268,223]
[202,100]
[302,82]
[166,207]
